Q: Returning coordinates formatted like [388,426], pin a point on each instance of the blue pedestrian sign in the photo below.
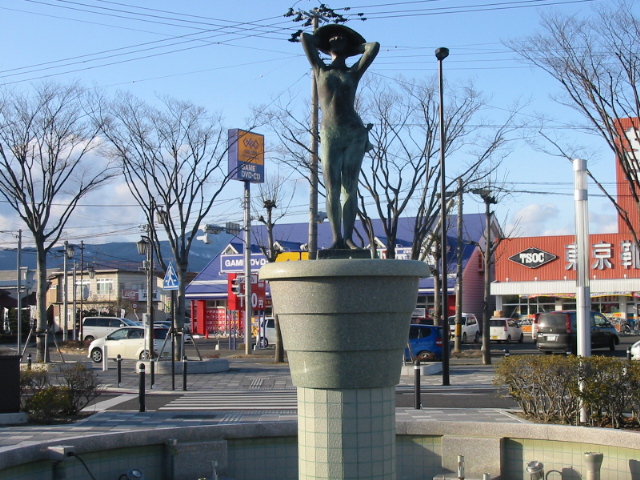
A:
[170,278]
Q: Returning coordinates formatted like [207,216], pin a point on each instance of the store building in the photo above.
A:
[535,274]
[215,308]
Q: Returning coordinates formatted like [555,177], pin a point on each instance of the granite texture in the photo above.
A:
[344,323]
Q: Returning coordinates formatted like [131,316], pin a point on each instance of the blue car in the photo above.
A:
[425,343]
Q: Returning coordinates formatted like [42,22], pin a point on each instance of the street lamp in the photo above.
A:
[68,252]
[441,54]
[145,247]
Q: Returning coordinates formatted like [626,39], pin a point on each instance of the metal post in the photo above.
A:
[150,293]
[29,362]
[141,399]
[119,360]
[247,268]
[459,251]
[184,373]
[313,163]
[441,54]
[19,288]
[417,402]
[583,289]
[105,358]
[65,287]
[73,296]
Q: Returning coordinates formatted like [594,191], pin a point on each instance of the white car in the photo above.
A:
[268,333]
[505,330]
[129,343]
[635,351]
[470,331]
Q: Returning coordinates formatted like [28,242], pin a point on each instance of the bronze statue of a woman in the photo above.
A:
[344,139]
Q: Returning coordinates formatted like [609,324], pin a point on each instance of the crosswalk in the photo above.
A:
[235,400]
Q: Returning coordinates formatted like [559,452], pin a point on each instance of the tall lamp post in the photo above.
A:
[145,247]
[441,54]
[68,252]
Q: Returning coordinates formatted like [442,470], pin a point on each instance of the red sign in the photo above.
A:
[236,291]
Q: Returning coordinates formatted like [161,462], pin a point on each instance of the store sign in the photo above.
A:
[246,156]
[532,257]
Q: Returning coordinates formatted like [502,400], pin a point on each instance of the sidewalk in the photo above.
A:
[253,390]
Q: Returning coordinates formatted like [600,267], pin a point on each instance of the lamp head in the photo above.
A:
[442,53]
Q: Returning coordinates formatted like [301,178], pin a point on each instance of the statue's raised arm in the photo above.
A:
[343,137]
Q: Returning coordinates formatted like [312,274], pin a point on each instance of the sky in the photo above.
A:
[231,56]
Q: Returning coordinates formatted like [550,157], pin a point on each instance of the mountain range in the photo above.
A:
[114,255]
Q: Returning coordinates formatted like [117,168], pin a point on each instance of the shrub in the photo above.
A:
[555,388]
[47,397]
[49,403]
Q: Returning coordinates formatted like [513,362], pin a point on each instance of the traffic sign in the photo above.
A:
[170,278]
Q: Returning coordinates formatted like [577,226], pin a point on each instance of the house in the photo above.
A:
[118,291]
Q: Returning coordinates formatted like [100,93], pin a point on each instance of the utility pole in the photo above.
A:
[19,288]
[459,251]
[489,200]
[312,18]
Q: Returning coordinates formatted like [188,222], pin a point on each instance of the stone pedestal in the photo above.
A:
[345,324]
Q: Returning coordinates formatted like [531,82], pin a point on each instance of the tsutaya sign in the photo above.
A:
[234,263]
[246,156]
[532,257]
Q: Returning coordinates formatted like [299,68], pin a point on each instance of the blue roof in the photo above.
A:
[211,282]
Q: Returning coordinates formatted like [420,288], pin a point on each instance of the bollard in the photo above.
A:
[460,467]
[184,373]
[119,361]
[417,403]
[29,362]
[506,352]
[629,353]
[593,462]
[152,365]
[105,359]
[141,389]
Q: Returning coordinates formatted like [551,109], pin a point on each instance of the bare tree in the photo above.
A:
[596,63]
[404,166]
[172,159]
[46,168]
[272,197]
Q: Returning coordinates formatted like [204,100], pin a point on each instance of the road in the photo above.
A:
[463,392]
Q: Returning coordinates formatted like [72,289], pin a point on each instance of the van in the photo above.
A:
[268,333]
[98,327]
[557,332]
[470,331]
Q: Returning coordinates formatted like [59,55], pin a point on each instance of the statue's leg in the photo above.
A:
[350,175]
[331,171]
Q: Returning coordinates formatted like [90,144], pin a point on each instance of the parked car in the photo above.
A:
[534,326]
[129,343]
[557,332]
[268,333]
[635,351]
[425,343]
[505,330]
[98,327]
[470,328]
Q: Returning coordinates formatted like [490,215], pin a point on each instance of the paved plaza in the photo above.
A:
[254,389]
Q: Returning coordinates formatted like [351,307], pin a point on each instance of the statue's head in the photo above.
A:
[338,39]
